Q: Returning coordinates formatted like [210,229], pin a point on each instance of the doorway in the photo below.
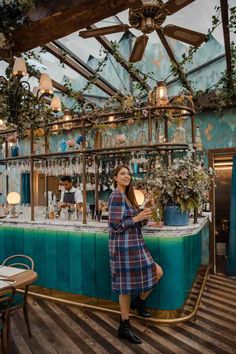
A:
[220,195]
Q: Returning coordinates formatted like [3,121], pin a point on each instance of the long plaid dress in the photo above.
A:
[133,269]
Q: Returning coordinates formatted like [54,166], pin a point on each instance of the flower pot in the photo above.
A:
[173,216]
[14,150]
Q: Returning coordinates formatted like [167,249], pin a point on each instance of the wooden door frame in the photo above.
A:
[212,153]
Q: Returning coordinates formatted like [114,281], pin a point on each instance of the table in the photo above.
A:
[27,277]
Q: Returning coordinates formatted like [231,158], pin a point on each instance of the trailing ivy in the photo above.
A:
[77,95]
[225,88]
[13,14]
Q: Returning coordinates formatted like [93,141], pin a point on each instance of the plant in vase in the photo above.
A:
[180,188]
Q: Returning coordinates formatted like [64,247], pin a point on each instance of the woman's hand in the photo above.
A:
[143,215]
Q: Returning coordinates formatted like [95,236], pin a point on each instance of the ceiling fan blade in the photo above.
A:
[184,35]
[173,6]
[138,49]
[103,30]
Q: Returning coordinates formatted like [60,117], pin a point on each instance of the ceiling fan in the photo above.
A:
[147,19]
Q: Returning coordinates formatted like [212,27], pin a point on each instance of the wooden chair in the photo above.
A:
[5,307]
[20,300]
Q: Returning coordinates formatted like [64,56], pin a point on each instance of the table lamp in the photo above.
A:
[139,196]
[13,198]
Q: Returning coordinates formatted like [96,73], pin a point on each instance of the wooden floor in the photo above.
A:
[62,329]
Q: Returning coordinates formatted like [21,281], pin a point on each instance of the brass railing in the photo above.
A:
[160,321]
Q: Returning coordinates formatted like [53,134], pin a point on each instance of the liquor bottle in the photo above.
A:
[136,168]
[198,138]
[107,169]
[140,168]
[145,167]
[100,168]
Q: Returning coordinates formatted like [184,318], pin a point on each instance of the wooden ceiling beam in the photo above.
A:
[53,19]
[225,23]
[77,68]
[124,63]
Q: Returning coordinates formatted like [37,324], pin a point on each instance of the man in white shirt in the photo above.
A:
[70,195]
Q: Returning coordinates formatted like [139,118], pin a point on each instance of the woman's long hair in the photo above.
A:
[129,189]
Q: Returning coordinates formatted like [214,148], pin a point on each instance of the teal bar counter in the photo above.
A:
[74,258]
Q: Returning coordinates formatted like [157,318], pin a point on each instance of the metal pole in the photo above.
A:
[7,177]
[32,174]
[194,156]
[96,186]
[166,128]
[84,174]
[46,177]
[149,127]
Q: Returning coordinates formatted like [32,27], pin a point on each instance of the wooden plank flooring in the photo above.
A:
[65,329]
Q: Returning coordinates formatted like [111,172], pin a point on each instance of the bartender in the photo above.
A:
[70,194]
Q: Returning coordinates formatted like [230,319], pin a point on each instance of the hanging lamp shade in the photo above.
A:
[67,117]
[161,93]
[55,128]
[1,124]
[56,104]
[45,84]
[19,67]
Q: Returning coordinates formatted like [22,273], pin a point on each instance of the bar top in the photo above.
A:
[101,227]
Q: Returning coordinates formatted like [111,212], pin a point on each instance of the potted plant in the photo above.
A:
[179,188]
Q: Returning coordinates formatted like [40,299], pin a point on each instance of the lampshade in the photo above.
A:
[19,67]
[139,196]
[161,93]
[56,104]
[55,127]
[184,113]
[2,124]
[111,119]
[45,84]
[13,198]
[67,117]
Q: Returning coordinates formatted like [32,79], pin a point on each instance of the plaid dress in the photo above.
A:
[133,269]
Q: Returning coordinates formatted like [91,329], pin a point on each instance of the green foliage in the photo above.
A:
[184,183]
[12,16]
[225,88]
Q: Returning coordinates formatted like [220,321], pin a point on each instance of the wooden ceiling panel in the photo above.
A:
[56,19]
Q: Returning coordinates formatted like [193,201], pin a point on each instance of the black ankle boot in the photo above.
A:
[125,332]
[139,305]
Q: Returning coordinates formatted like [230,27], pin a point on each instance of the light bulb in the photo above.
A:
[111,119]
[67,117]
[161,93]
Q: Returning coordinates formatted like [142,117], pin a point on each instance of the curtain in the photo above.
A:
[231,250]
[25,188]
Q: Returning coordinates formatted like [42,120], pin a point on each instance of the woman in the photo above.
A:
[133,269]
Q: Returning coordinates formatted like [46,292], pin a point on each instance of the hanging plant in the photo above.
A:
[13,14]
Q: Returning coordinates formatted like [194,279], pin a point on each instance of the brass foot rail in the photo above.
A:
[160,321]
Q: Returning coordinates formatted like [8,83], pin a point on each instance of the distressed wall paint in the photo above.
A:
[216,132]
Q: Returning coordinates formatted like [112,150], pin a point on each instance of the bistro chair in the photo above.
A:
[20,300]
[5,307]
